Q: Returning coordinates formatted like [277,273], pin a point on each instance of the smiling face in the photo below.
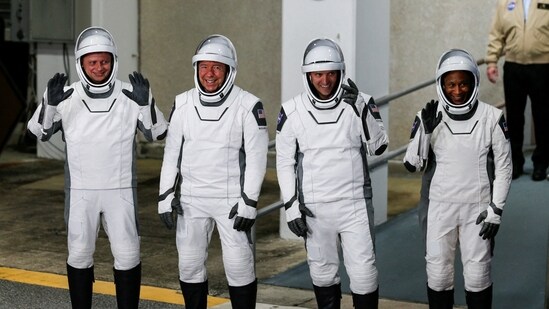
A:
[457,86]
[211,75]
[97,66]
[324,82]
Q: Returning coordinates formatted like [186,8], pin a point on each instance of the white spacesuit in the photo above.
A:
[98,123]
[322,147]
[215,159]
[467,173]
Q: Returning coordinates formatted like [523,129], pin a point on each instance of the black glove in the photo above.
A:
[246,218]
[140,94]
[56,94]
[488,230]
[350,94]
[168,217]
[299,225]
[429,116]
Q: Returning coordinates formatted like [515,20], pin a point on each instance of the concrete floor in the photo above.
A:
[33,237]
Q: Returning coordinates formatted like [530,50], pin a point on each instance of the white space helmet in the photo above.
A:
[457,60]
[323,55]
[94,40]
[220,49]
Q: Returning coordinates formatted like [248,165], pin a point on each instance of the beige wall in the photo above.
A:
[171,30]
[421,31]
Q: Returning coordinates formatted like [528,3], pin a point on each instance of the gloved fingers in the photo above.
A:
[491,231]
[176,205]
[432,105]
[167,219]
[243,224]
[55,89]
[238,222]
[352,84]
[495,230]
[179,209]
[67,94]
[248,223]
[298,227]
[234,211]
[145,81]
[55,80]
[349,98]
[347,88]
[132,78]
[140,91]
[430,108]
[127,93]
[439,118]
[483,231]
[302,226]
[481,217]
[294,228]
[305,211]
[138,80]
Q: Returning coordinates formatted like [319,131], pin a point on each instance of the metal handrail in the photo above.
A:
[377,161]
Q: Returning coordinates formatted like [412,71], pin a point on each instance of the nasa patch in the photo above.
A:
[281,119]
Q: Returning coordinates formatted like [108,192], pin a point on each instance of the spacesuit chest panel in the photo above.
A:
[330,141]
[461,148]
[100,136]
[213,137]
[210,112]
[214,124]
[98,105]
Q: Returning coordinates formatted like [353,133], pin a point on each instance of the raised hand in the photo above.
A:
[56,94]
[350,94]
[140,93]
[429,116]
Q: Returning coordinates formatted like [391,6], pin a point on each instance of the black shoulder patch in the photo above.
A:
[259,114]
[280,120]
[503,125]
[415,127]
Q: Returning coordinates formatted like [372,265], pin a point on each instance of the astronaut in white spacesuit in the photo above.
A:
[462,147]
[214,162]
[98,117]
[324,136]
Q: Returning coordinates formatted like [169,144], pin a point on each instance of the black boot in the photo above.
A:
[80,286]
[366,301]
[128,285]
[479,300]
[243,297]
[440,300]
[195,294]
[328,297]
